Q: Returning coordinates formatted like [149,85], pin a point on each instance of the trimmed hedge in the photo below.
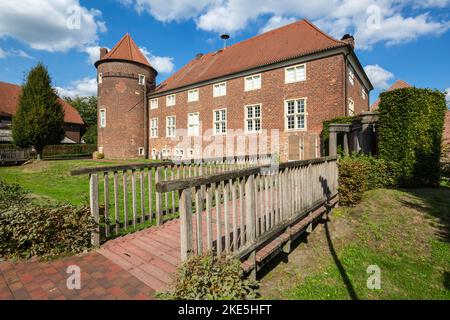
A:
[49,230]
[410,134]
[360,173]
[211,277]
[69,149]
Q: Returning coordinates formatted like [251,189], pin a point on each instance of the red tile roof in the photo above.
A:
[294,40]
[125,49]
[399,84]
[9,101]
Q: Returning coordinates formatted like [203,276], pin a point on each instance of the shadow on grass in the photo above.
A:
[435,202]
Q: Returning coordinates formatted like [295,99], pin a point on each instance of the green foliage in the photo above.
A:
[69,149]
[326,131]
[11,194]
[98,155]
[410,133]
[87,107]
[210,277]
[361,173]
[39,119]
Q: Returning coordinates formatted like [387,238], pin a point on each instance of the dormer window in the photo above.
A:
[141,80]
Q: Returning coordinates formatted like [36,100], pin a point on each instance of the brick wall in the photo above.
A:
[354,92]
[123,99]
[446,135]
[323,88]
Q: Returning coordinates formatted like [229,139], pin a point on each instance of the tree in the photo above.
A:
[39,120]
[87,108]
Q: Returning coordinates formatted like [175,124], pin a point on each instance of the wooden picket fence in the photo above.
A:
[8,156]
[124,198]
[236,211]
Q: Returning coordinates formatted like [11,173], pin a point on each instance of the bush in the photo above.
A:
[410,133]
[360,173]
[51,230]
[210,277]
[98,155]
[12,194]
[69,149]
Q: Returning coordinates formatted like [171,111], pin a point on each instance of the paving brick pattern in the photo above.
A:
[100,279]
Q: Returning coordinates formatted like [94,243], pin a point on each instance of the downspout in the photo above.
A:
[146,133]
[345,83]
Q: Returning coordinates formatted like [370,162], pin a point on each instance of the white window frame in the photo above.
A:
[179,152]
[154,129]
[296,78]
[296,114]
[351,111]
[141,151]
[253,86]
[100,78]
[153,103]
[223,122]
[193,95]
[189,126]
[141,80]
[351,76]
[190,153]
[174,127]
[154,154]
[246,107]
[170,104]
[363,93]
[220,86]
[102,118]
[166,153]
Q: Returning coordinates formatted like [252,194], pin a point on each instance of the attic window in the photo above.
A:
[141,79]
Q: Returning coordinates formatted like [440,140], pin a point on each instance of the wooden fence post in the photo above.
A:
[186,223]
[93,196]
[158,198]
[250,209]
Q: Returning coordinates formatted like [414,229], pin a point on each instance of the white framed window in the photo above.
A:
[351,76]
[141,79]
[166,153]
[295,114]
[154,154]
[179,153]
[193,124]
[363,93]
[141,151]
[295,73]
[190,153]
[220,121]
[100,78]
[253,118]
[171,126]
[154,128]
[154,103]
[193,95]
[220,89]
[253,82]
[351,107]
[100,149]
[171,100]
[102,118]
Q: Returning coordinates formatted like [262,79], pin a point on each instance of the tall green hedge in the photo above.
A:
[410,133]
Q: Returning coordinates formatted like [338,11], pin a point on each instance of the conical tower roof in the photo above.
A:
[126,49]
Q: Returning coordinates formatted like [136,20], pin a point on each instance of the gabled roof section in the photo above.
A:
[399,84]
[291,41]
[126,49]
[9,102]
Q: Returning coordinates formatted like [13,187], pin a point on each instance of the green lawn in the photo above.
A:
[406,233]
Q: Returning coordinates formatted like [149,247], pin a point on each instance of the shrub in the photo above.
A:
[12,194]
[212,278]
[360,173]
[51,230]
[98,155]
[410,133]
[69,149]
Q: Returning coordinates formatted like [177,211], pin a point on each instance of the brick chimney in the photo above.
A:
[347,38]
[103,52]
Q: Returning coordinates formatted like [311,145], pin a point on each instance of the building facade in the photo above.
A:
[267,94]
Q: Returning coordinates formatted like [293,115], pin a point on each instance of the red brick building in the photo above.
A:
[9,101]
[276,88]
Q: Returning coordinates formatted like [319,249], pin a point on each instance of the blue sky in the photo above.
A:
[400,39]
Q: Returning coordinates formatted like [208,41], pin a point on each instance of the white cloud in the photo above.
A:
[371,21]
[2,53]
[51,25]
[161,64]
[447,97]
[276,22]
[14,53]
[378,76]
[80,88]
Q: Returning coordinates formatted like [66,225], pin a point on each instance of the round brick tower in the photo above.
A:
[124,78]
